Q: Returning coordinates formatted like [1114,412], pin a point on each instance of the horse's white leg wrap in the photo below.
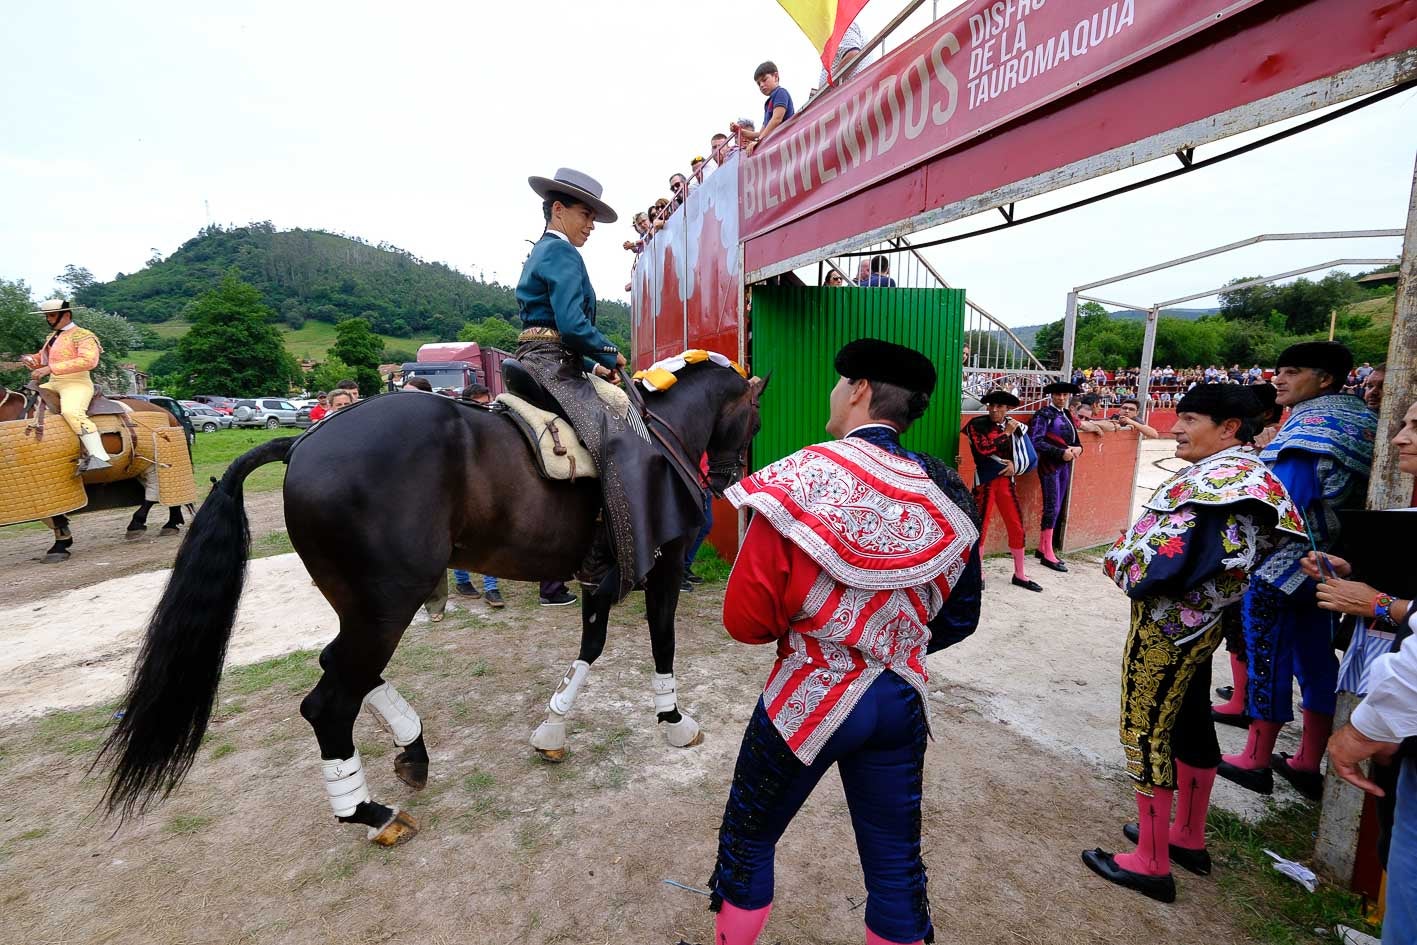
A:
[680,734]
[550,735]
[345,785]
[565,695]
[394,714]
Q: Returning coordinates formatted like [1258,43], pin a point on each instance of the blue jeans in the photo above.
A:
[1400,921]
[879,752]
[698,542]
[489,583]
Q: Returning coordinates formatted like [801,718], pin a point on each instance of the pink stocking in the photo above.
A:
[1317,729]
[1259,747]
[1045,544]
[1241,674]
[1152,856]
[1018,563]
[1192,804]
[735,926]
[873,939]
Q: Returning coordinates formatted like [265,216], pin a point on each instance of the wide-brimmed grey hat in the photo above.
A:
[54,306]
[573,183]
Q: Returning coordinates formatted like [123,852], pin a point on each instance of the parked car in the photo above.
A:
[268,412]
[219,404]
[302,419]
[173,407]
[208,419]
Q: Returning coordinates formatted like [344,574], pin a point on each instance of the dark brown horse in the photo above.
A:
[380,500]
[20,404]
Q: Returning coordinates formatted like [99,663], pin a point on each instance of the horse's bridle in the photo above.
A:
[729,469]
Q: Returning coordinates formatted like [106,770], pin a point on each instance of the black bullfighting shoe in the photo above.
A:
[1308,783]
[1259,780]
[1225,692]
[1026,584]
[1195,861]
[1050,565]
[1160,888]
[1237,719]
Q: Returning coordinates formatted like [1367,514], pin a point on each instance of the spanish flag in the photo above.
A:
[824,22]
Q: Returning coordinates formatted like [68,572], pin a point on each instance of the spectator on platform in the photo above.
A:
[1372,390]
[834,278]
[718,153]
[776,110]
[696,168]
[880,276]
[418,383]
[1085,409]
[679,187]
[849,50]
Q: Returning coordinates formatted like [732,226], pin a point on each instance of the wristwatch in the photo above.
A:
[1382,607]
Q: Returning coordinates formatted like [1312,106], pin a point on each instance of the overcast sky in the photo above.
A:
[418,124]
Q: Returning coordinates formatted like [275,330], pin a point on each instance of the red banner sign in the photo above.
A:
[986,65]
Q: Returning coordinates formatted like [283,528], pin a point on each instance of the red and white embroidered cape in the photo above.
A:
[853,551]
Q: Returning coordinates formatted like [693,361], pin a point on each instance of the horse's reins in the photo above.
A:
[677,450]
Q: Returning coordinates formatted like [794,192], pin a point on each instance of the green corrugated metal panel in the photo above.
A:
[796,332]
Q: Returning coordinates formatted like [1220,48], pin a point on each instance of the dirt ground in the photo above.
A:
[1024,773]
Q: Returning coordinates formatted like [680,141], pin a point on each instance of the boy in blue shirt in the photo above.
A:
[776,110]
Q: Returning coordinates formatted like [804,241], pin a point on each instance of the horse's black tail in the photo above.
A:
[170,694]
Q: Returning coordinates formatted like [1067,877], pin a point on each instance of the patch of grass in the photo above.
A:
[297,672]
[33,834]
[276,543]
[76,732]
[480,668]
[478,781]
[222,749]
[185,825]
[1272,908]
[710,566]
[213,452]
[422,658]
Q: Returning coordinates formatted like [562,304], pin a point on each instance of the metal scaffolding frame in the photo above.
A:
[1153,310]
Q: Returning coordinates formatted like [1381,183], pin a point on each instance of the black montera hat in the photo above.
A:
[1221,402]
[872,359]
[1328,356]
[1000,397]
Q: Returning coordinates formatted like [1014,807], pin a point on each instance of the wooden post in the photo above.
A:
[1388,488]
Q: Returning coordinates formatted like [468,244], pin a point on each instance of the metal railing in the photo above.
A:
[996,358]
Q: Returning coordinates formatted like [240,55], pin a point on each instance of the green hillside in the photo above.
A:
[312,340]
[310,277]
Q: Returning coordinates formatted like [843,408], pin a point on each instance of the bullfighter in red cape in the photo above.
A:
[862,558]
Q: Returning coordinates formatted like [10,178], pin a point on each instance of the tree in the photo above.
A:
[492,333]
[356,345]
[328,374]
[233,349]
[20,332]
[75,279]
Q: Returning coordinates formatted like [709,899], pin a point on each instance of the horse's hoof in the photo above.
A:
[54,557]
[684,733]
[400,829]
[169,532]
[552,755]
[412,773]
[133,534]
[436,618]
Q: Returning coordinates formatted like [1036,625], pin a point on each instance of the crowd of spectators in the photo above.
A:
[746,134]
[1168,384]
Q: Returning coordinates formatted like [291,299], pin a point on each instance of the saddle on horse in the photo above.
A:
[559,452]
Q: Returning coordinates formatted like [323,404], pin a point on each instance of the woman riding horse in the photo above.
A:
[559,343]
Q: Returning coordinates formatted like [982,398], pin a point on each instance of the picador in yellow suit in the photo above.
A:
[68,355]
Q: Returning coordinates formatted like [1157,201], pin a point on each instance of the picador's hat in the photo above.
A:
[1221,402]
[578,186]
[871,359]
[1328,356]
[1062,387]
[1000,397]
[53,307]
